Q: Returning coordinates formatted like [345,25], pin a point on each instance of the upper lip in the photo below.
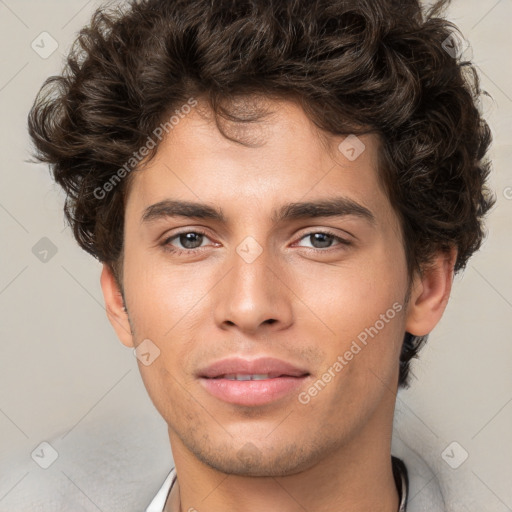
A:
[262,365]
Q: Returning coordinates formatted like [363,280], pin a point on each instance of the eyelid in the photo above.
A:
[180,230]
[335,232]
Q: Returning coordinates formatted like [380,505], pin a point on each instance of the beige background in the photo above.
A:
[67,380]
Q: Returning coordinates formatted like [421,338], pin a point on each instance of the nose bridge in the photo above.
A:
[251,293]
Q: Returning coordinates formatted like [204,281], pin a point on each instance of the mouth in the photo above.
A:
[252,383]
[255,376]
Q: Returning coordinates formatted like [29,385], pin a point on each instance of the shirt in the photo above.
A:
[399,473]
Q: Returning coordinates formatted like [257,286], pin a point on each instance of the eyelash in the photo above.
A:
[179,252]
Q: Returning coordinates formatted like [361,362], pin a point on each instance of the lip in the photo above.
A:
[284,378]
[260,365]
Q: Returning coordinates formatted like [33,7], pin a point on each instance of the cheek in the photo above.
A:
[345,299]
[161,295]
[167,306]
[359,309]
[169,391]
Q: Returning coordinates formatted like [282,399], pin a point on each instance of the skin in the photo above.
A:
[332,453]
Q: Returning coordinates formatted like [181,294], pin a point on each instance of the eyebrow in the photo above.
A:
[332,207]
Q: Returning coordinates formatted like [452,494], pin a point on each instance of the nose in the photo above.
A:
[253,295]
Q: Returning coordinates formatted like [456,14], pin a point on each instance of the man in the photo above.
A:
[280,194]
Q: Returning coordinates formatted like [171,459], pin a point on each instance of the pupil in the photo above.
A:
[323,238]
[187,240]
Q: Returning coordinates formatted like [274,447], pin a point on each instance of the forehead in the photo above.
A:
[285,157]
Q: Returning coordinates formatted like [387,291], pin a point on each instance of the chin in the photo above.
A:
[251,461]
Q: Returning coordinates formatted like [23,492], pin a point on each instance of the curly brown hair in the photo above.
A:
[355,67]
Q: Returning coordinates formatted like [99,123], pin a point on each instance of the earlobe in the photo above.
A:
[430,293]
[114,306]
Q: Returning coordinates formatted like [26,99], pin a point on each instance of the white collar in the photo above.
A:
[158,502]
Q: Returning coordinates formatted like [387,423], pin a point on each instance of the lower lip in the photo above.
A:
[252,392]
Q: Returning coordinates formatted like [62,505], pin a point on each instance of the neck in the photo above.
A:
[356,476]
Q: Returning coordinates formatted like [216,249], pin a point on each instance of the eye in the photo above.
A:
[323,240]
[190,242]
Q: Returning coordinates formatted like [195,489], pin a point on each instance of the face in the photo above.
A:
[319,290]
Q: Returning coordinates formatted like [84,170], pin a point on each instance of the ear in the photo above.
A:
[430,293]
[114,306]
